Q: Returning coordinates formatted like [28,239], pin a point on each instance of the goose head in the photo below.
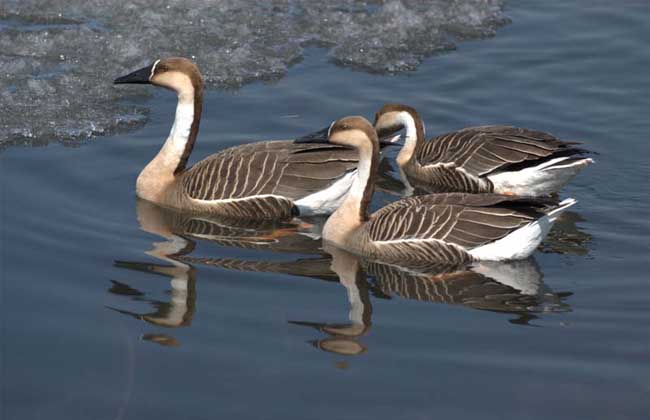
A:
[175,73]
[356,132]
[392,118]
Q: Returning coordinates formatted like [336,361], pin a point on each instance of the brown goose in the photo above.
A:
[265,180]
[439,227]
[499,159]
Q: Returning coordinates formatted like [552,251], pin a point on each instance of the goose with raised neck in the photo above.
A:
[268,180]
[488,159]
[452,228]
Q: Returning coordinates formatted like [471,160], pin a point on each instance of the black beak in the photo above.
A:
[139,76]
[390,141]
[388,137]
[319,136]
[385,132]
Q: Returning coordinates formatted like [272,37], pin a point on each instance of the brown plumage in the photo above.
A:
[263,180]
[450,228]
[254,234]
[483,150]
[467,160]
[281,168]
[442,227]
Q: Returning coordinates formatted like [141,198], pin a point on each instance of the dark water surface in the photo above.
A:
[261,327]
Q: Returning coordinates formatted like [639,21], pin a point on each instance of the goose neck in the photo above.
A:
[414,137]
[154,180]
[354,210]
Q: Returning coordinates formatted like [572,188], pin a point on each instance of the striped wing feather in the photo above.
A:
[276,167]
[482,150]
[465,220]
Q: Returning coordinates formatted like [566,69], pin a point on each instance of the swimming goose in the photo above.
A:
[454,228]
[265,180]
[499,159]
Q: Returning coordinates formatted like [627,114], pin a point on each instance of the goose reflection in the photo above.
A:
[343,338]
[566,237]
[514,288]
[179,310]
[182,233]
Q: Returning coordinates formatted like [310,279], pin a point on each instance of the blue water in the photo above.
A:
[578,69]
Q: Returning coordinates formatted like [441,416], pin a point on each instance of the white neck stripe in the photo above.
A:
[408,122]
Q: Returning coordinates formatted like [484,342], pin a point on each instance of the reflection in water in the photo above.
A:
[566,237]
[515,288]
[343,337]
[183,231]
[179,310]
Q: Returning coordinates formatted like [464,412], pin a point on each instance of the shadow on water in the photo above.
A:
[514,288]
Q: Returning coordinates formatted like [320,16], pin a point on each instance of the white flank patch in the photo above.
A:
[546,178]
[328,200]
[522,242]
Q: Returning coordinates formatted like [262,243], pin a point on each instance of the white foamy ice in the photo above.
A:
[58,57]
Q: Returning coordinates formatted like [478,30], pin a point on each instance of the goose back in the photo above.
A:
[480,151]
[444,227]
[281,168]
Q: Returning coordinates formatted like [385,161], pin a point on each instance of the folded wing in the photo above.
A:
[483,150]
[465,220]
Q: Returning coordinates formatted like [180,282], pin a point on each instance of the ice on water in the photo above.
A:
[58,58]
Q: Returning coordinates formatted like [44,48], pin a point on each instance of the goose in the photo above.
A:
[266,180]
[452,227]
[489,159]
